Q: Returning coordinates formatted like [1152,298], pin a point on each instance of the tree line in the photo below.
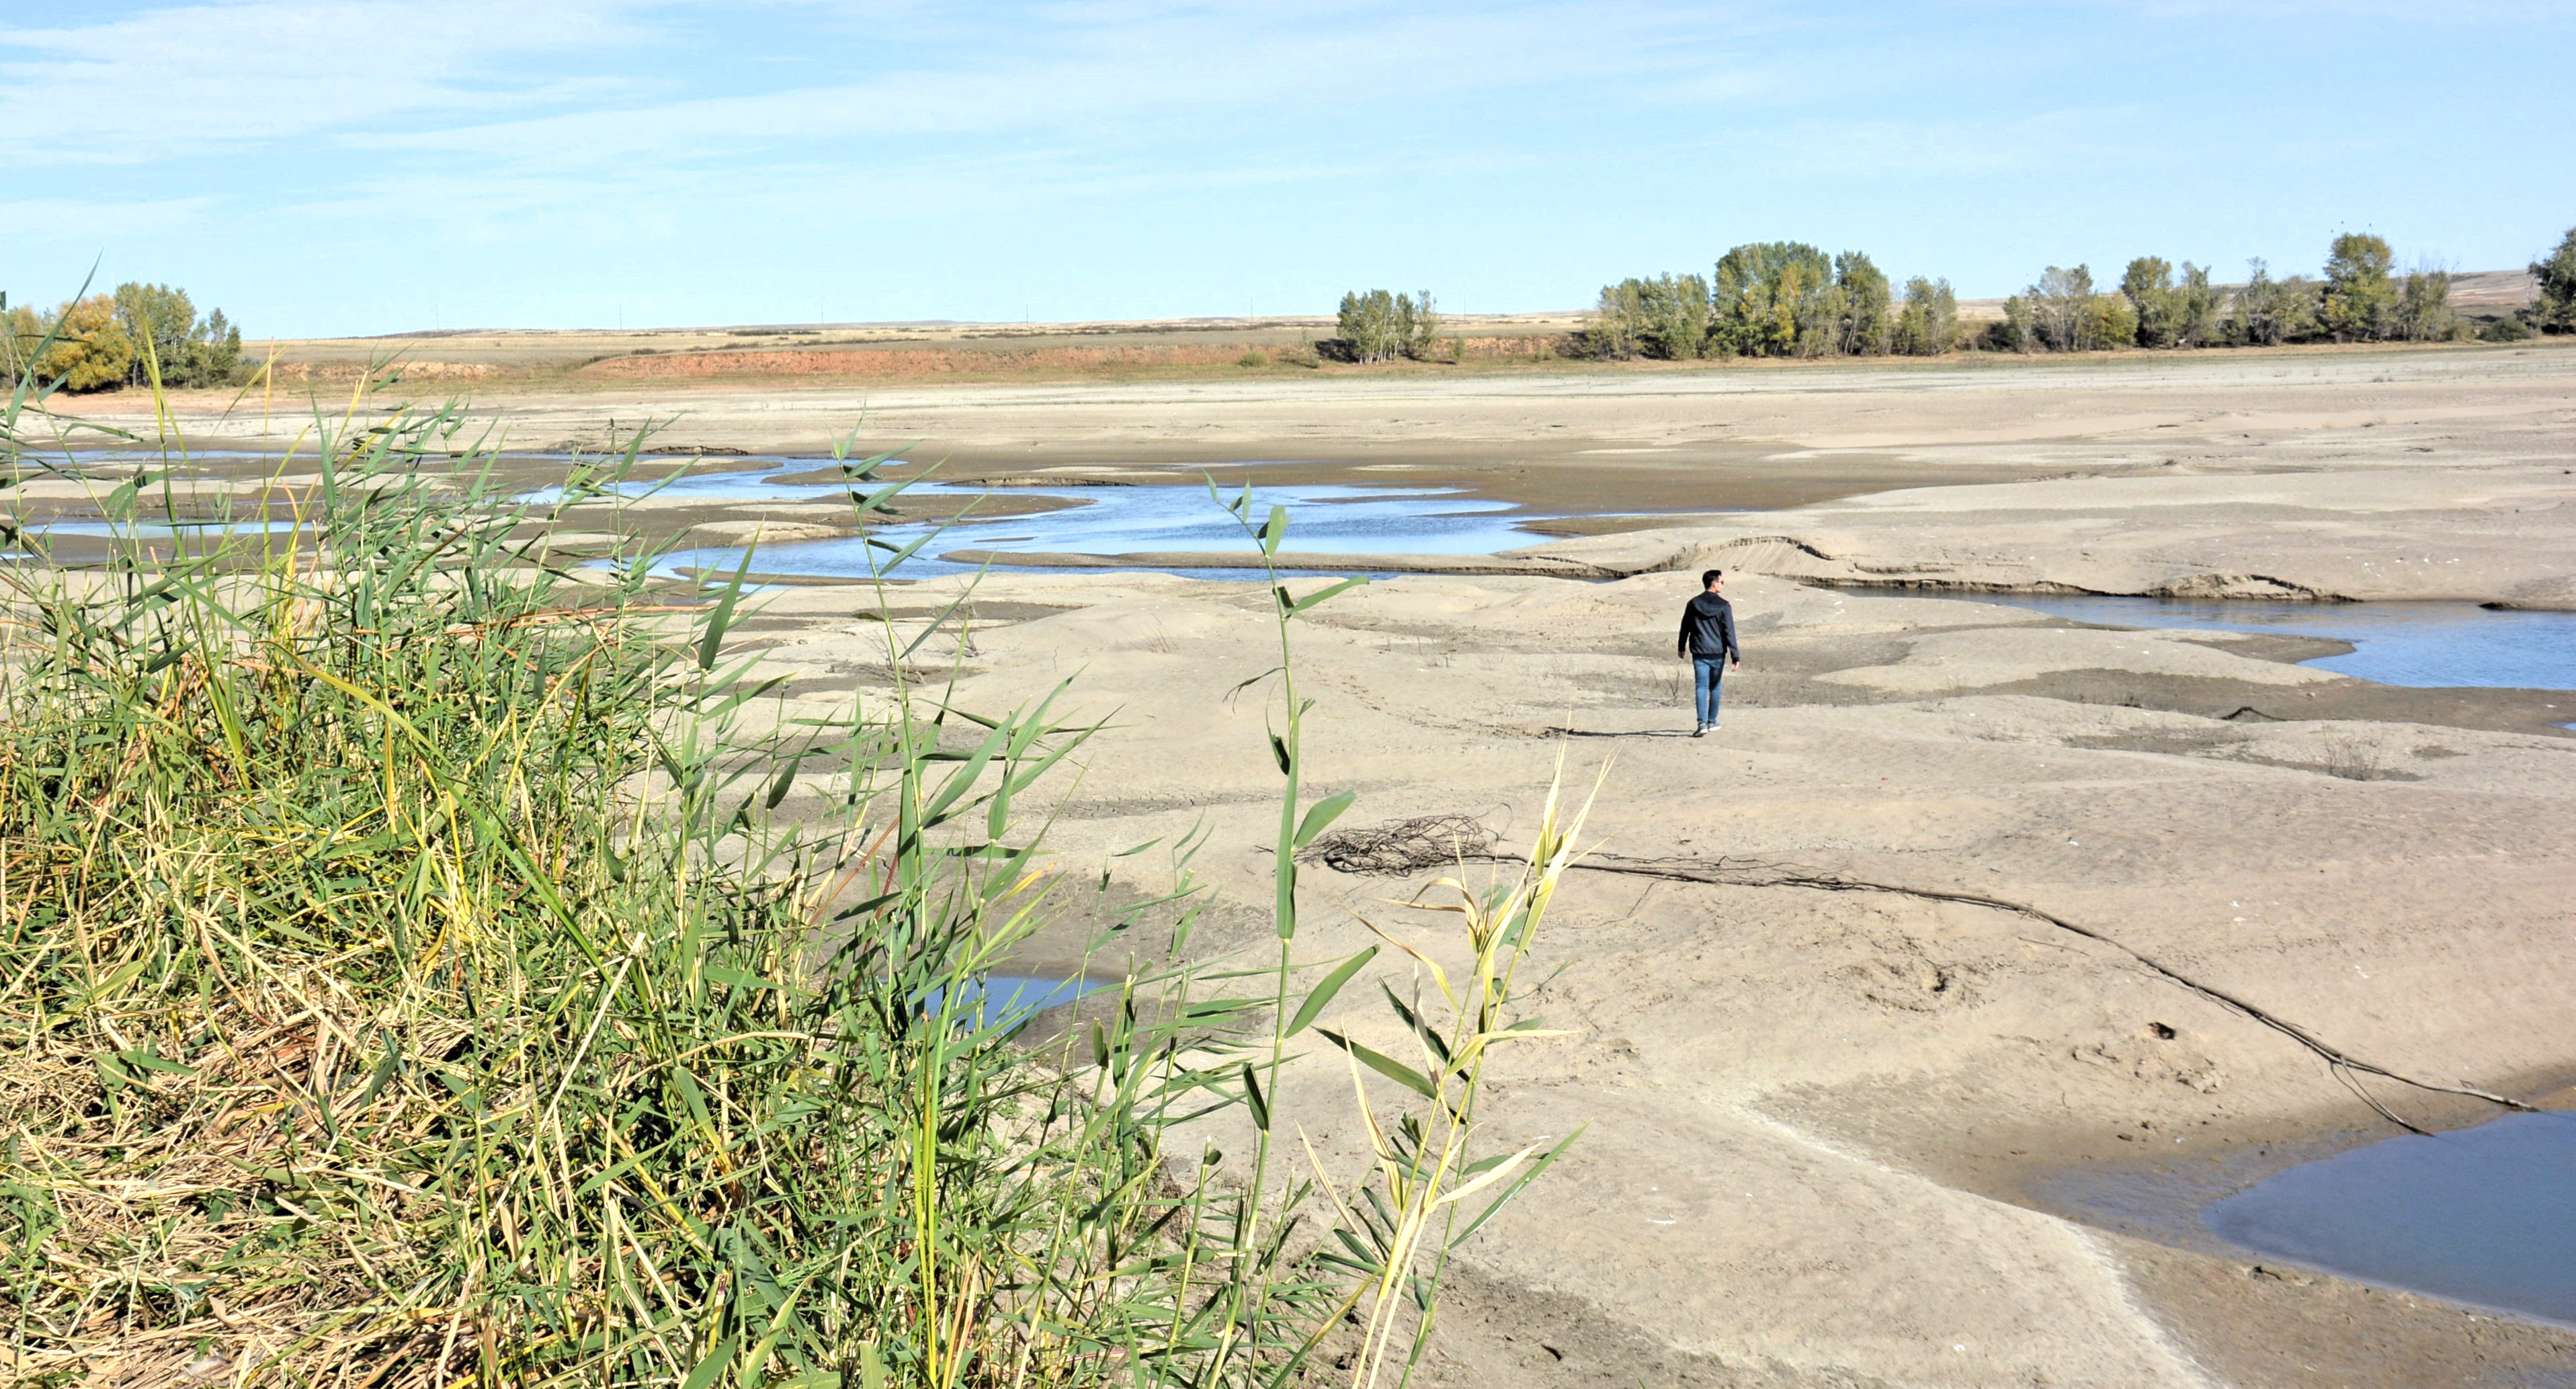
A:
[1790,299]
[129,337]
[2361,297]
[1774,299]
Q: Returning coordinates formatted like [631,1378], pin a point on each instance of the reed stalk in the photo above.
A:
[410,977]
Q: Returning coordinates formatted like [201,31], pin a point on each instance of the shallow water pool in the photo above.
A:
[1109,521]
[2485,1215]
[1324,519]
[2425,644]
[1012,999]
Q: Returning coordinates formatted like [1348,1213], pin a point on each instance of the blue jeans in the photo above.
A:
[1706,673]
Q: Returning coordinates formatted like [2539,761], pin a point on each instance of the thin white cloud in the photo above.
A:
[79,219]
[1114,68]
[182,79]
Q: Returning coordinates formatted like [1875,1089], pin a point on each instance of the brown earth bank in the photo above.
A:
[1965,915]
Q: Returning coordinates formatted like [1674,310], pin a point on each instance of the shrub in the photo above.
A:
[1253,358]
[2510,328]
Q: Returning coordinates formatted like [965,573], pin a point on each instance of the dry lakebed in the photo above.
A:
[1922,1015]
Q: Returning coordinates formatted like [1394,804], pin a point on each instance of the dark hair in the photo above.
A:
[1712,576]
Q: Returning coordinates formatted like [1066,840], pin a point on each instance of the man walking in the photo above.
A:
[1708,643]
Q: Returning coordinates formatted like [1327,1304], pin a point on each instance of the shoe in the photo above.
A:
[1700,732]
[1712,728]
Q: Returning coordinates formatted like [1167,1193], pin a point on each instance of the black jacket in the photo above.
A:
[1708,628]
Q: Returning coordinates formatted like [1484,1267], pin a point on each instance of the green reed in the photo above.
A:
[409,976]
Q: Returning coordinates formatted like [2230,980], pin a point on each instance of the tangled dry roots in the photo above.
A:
[1402,846]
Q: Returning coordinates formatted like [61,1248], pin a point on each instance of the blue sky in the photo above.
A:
[350,166]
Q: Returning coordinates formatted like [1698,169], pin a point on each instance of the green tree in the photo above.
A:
[2196,308]
[171,342]
[2424,305]
[216,354]
[1617,331]
[2553,308]
[1862,325]
[91,350]
[1421,325]
[1665,317]
[1772,299]
[2148,285]
[1380,325]
[20,331]
[2061,309]
[2018,330]
[2109,321]
[2268,312]
[162,325]
[1929,322]
[2360,298]
[1676,316]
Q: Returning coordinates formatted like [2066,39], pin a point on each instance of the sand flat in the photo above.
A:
[1834,1107]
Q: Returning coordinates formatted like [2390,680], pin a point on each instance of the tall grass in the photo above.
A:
[409,976]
